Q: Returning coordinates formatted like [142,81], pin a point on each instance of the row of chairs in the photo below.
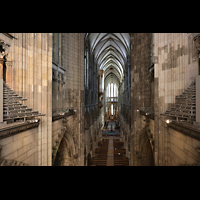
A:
[120,158]
[13,109]
[185,105]
[100,158]
[8,162]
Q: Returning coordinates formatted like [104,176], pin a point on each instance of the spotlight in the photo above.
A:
[168,121]
[33,120]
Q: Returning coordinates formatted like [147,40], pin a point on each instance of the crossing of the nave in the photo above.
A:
[99,99]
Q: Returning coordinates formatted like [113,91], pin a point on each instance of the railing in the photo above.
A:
[112,99]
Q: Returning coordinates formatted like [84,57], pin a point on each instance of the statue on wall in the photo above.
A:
[197,44]
[4,50]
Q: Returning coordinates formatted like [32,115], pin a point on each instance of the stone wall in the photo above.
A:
[141,88]
[184,150]
[175,67]
[29,74]
[73,93]
[74,88]
[140,62]
[22,147]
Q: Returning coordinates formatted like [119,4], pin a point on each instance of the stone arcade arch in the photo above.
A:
[66,154]
[145,154]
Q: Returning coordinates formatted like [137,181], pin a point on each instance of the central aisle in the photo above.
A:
[110,153]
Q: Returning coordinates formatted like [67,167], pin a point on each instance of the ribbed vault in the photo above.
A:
[110,52]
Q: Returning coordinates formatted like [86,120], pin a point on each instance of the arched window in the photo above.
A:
[111,109]
[111,90]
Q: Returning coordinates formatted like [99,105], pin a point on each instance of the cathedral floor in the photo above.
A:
[110,155]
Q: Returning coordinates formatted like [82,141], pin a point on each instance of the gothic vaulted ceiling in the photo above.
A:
[110,53]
